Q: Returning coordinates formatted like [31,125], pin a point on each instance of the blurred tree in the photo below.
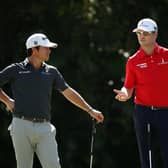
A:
[95,39]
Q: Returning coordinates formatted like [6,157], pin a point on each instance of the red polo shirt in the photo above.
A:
[148,75]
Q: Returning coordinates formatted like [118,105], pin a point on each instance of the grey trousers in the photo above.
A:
[29,138]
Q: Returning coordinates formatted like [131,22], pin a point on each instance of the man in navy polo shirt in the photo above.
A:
[32,82]
[146,73]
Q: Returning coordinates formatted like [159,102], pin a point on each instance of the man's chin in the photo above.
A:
[142,43]
[47,59]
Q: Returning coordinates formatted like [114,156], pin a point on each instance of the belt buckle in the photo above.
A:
[153,108]
[34,119]
[22,117]
[39,120]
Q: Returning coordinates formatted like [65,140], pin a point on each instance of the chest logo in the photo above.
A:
[24,72]
[142,65]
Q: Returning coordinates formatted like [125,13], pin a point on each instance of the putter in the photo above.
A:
[149,145]
[92,141]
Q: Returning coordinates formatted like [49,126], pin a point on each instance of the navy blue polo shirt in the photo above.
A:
[32,88]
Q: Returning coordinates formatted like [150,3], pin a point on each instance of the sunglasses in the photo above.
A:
[144,33]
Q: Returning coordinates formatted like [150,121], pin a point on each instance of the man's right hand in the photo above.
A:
[96,115]
[121,96]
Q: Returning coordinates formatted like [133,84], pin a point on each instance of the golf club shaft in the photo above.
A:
[91,151]
[149,145]
[91,161]
[92,141]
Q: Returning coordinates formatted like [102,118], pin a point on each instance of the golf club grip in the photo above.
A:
[93,126]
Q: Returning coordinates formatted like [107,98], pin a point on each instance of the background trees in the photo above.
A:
[95,39]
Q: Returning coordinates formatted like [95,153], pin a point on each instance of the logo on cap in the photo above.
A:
[35,42]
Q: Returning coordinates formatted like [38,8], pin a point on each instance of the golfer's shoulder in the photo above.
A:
[135,57]
[51,68]
[15,65]
[163,50]
[11,68]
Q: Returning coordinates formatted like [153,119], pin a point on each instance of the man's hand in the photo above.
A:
[10,105]
[8,101]
[121,96]
[96,115]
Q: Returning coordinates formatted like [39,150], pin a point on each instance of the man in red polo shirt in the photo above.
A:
[146,73]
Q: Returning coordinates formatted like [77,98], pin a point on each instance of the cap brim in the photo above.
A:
[52,45]
[141,28]
[134,30]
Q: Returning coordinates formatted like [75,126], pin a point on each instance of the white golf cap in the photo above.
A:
[146,24]
[39,39]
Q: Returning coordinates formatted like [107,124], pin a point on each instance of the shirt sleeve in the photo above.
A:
[59,83]
[7,74]
[130,75]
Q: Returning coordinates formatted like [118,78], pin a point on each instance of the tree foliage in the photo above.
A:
[95,39]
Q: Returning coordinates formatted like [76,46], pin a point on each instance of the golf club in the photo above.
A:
[149,145]
[92,141]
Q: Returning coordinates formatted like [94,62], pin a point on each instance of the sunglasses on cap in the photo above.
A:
[144,33]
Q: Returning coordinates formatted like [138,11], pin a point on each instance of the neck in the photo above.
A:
[35,62]
[148,49]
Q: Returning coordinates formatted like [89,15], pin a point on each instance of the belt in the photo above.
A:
[32,119]
[154,107]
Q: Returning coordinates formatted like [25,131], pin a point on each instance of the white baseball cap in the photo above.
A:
[39,39]
[146,24]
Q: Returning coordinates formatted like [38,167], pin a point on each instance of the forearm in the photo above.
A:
[4,97]
[75,98]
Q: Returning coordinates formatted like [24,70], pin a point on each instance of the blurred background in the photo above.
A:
[95,40]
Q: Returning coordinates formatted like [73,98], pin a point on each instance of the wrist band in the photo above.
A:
[90,110]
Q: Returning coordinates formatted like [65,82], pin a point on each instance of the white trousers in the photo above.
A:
[29,138]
